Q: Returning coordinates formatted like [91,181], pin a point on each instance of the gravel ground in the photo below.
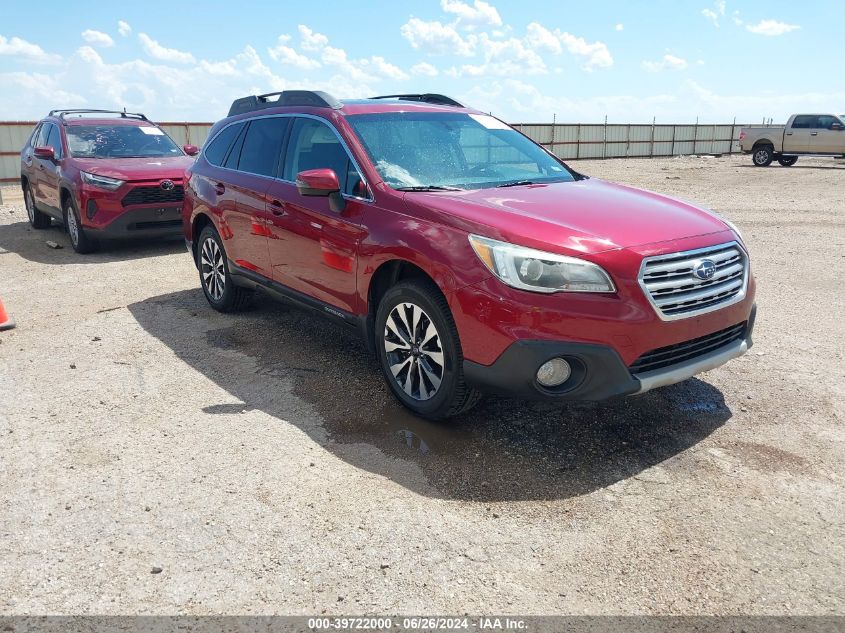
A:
[158,457]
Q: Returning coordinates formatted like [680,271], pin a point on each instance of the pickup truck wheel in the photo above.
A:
[420,353]
[763,155]
[216,281]
[78,239]
[787,161]
[37,219]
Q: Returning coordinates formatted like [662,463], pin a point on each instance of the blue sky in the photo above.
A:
[524,61]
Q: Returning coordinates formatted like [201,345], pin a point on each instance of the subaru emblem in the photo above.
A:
[704,269]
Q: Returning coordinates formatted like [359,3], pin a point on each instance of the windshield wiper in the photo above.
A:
[517,183]
[428,188]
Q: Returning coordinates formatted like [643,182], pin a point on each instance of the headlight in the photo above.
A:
[100,181]
[538,271]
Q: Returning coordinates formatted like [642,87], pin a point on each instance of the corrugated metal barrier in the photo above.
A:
[569,141]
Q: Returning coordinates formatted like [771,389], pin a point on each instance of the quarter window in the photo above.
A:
[314,145]
[216,150]
[41,138]
[262,145]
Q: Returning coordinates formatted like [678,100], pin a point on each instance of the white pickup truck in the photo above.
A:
[803,135]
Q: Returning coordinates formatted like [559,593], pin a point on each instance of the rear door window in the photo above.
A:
[262,145]
[805,121]
[216,150]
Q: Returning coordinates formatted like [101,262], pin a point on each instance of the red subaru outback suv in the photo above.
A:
[469,257]
[103,174]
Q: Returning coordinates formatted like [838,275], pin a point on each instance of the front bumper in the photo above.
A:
[165,221]
[598,372]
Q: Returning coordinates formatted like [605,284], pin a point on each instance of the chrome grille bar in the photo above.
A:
[676,292]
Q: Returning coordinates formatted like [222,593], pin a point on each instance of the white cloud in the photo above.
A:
[424,69]
[736,19]
[123,28]
[97,38]
[669,62]
[541,38]
[437,38]
[157,51]
[20,48]
[620,27]
[714,14]
[287,55]
[771,28]
[312,41]
[383,68]
[480,13]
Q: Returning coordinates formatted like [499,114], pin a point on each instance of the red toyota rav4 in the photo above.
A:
[468,256]
[103,174]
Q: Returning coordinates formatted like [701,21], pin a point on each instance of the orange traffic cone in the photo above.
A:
[6,322]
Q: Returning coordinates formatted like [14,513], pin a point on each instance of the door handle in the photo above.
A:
[814,133]
[789,133]
[220,188]
[277,208]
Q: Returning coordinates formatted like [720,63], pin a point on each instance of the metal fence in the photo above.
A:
[569,141]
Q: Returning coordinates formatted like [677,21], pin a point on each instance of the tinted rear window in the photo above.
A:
[215,152]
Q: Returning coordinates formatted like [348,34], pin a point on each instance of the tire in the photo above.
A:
[216,281]
[787,161]
[79,240]
[763,155]
[423,368]
[37,219]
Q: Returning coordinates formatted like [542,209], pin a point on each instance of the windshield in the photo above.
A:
[119,141]
[452,150]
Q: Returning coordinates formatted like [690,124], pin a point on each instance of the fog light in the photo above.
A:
[554,372]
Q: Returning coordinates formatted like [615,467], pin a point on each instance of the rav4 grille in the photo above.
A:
[685,284]
[688,350]
[153,195]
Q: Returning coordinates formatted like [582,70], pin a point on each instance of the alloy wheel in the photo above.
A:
[30,207]
[414,352]
[213,270]
[761,156]
[72,226]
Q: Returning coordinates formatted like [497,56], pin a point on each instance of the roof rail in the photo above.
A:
[124,114]
[313,98]
[428,97]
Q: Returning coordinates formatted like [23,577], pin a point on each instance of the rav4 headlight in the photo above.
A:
[538,271]
[100,181]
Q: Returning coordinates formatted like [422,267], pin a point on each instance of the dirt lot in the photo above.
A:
[260,462]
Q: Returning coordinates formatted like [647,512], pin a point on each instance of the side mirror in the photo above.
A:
[191,150]
[317,182]
[45,152]
[835,126]
[323,183]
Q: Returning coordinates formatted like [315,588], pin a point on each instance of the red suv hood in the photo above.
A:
[172,167]
[588,216]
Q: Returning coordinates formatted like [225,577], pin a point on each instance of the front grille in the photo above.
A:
[153,195]
[675,292]
[673,354]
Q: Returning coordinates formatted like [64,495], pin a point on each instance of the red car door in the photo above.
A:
[312,248]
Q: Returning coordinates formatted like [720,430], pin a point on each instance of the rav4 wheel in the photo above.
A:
[420,353]
[78,239]
[763,155]
[213,265]
[787,161]
[37,219]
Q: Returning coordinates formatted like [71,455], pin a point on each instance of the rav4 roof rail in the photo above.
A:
[123,114]
[428,97]
[313,98]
